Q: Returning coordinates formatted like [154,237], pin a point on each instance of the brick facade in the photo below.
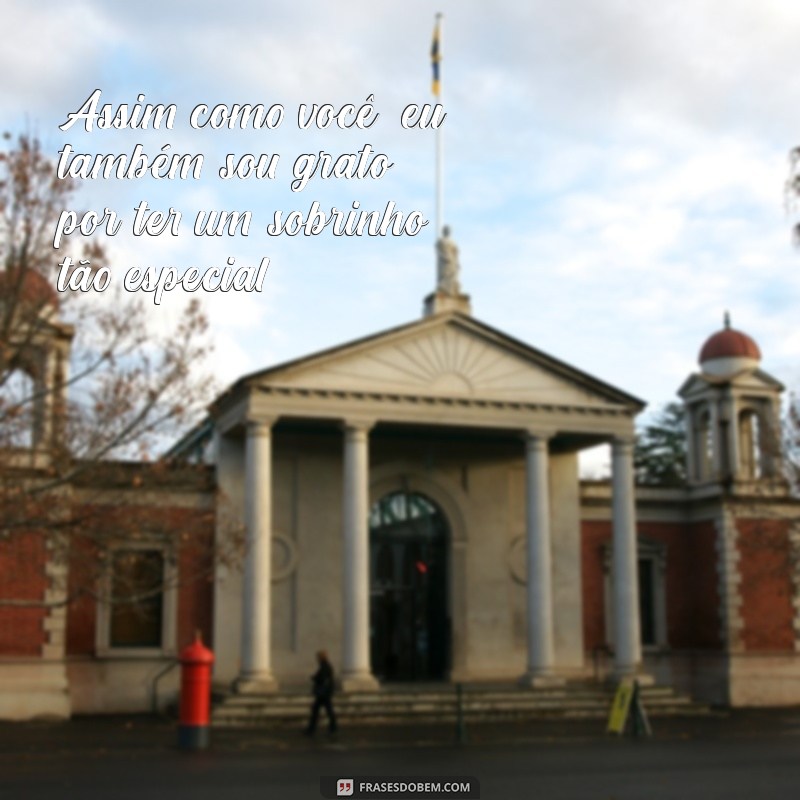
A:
[767,591]
[691,593]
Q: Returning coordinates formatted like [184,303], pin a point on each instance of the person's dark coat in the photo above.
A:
[323,681]
[322,685]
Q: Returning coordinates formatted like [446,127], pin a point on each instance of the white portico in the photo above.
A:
[411,505]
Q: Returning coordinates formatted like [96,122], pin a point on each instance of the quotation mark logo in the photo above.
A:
[344,787]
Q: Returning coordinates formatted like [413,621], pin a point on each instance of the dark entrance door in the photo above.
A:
[409,623]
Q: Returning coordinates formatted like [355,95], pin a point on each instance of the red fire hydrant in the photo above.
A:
[196,660]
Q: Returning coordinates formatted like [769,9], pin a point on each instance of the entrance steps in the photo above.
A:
[396,704]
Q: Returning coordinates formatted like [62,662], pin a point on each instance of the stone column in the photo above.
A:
[256,669]
[541,649]
[627,631]
[733,467]
[690,432]
[356,672]
[715,465]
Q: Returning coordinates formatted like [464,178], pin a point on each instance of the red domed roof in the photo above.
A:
[35,289]
[729,343]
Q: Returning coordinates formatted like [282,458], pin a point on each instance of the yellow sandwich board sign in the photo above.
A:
[627,712]
[620,707]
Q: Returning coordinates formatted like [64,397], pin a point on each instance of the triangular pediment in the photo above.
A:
[755,380]
[447,356]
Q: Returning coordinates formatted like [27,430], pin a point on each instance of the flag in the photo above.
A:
[435,58]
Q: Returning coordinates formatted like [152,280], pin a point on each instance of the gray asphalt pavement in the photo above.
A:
[741,755]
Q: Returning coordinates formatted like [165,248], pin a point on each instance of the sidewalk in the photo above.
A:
[101,735]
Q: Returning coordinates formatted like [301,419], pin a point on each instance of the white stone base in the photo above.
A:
[122,685]
[33,689]
[438,302]
[642,678]
[360,682]
[538,680]
[257,684]
[764,679]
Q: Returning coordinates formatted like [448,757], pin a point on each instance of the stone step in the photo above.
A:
[469,704]
[651,694]
[419,718]
[439,705]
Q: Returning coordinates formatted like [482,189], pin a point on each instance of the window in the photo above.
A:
[750,444]
[17,411]
[139,615]
[704,446]
[138,575]
[647,608]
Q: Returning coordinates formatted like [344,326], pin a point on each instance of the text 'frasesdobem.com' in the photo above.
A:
[382,787]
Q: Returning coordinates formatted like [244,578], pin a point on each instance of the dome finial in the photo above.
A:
[728,352]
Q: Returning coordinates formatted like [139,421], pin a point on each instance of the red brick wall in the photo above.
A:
[704,586]
[765,566]
[22,577]
[594,534]
[196,593]
[690,582]
[81,613]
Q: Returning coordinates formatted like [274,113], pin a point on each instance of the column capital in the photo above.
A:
[624,443]
[260,425]
[358,424]
[536,434]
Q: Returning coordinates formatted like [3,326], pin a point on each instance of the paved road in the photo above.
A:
[746,756]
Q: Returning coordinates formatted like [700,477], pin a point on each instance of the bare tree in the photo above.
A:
[791,443]
[792,189]
[90,391]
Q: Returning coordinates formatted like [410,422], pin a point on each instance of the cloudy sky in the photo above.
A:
[614,169]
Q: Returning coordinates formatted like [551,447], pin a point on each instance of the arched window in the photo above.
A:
[750,454]
[17,410]
[409,613]
[704,445]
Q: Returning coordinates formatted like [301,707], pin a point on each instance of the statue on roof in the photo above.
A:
[447,266]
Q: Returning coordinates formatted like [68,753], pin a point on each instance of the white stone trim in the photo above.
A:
[169,608]
[729,581]
[334,404]
[55,596]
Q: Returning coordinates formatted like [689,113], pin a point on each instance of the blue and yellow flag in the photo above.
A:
[436,57]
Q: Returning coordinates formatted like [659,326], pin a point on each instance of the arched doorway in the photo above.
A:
[409,619]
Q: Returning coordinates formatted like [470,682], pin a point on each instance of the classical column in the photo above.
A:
[715,464]
[690,433]
[256,669]
[627,633]
[356,673]
[732,429]
[541,650]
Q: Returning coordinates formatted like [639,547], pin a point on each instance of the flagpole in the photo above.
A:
[439,144]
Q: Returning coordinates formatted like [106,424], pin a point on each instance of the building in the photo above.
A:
[412,504]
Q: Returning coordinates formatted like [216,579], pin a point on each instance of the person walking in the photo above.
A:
[322,689]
